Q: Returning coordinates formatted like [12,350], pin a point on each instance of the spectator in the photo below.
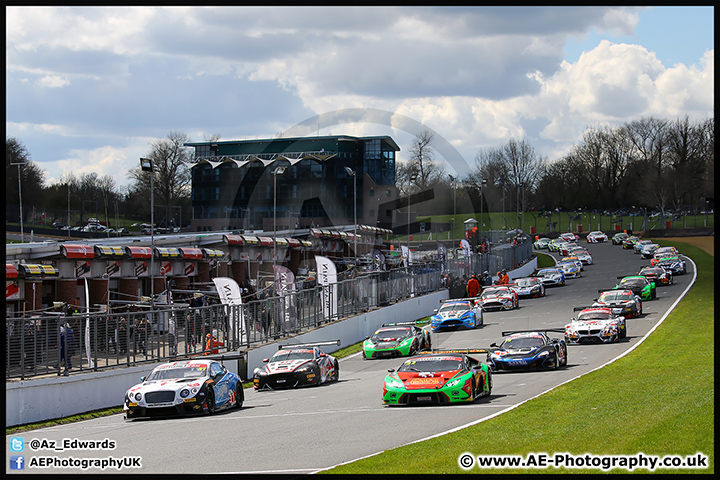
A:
[123,335]
[141,336]
[67,339]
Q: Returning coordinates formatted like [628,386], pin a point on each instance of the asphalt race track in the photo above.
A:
[310,429]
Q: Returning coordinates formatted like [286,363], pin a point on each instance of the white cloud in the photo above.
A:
[53,81]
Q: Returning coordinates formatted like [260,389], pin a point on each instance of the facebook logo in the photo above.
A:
[17,462]
[17,444]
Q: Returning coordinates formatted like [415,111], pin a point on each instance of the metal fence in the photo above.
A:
[68,344]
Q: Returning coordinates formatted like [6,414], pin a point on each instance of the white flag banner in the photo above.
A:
[88,351]
[229,292]
[286,289]
[327,277]
[405,255]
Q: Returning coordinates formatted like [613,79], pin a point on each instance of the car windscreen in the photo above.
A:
[633,282]
[455,307]
[615,297]
[391,334]
[526,282]
[432,364]
[493,291]
[177,372]
[522,342]
[594,316]
[283,355]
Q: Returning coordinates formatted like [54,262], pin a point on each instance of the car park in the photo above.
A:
[399,339]
[439,377]
[297,366]
[184,387]
[528,349]
[462,312]
[595,325]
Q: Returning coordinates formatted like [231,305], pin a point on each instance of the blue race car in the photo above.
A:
[460,312]
[528,349]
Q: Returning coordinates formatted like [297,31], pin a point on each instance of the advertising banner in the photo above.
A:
[286,289]
[327,277]
[229,292]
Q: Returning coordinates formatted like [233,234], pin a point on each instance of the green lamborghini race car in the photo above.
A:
[398,339]
[438,377]
[639,284]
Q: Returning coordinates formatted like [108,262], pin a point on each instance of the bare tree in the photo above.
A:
[171,174]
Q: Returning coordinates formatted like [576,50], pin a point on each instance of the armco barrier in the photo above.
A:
[42,399]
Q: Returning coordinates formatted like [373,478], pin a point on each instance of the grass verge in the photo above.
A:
[658,400]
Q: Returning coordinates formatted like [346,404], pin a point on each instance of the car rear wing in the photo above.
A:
[456,350]
[471,299]
[536,330]
[309,345]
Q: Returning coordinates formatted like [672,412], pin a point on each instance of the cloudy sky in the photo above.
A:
[88,89]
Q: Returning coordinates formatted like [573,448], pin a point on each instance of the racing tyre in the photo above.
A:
[210,400]
[564,360]
[239,395]
[336,375]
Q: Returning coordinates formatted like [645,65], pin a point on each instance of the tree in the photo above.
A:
[32,180]
[421,171]
[171,173]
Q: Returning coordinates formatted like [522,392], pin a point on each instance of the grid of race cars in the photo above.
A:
[427,375]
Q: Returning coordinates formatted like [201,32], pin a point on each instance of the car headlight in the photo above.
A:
[138,396]
[184,393]
[393,383]
[304,369]
[544,354]
[454,382]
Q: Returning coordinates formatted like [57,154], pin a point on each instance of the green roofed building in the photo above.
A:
[237,184]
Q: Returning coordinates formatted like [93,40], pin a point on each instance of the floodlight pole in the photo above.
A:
[146,164]
[351,172]
[22,232]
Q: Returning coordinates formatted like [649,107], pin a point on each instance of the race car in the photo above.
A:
[675,265]
[658,274]
[554,244]
[398,339]
[621,302]
[638,246]
[619,238]
[498,297]
[438,377]
[528,287]
[566,248]
[541,243]
[184,387]
[596,237]
[297,366]
[648,250]
[595,325]
[551,276]
[662,250]
[639,285]
[528,349]
[575,260]
[460,312]
[582,255]
[569,237]
[629,242]
[569,268]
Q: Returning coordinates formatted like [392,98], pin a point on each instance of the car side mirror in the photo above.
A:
[265,360]
[435,310]
[142,379]
[391,370]
[493,345]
